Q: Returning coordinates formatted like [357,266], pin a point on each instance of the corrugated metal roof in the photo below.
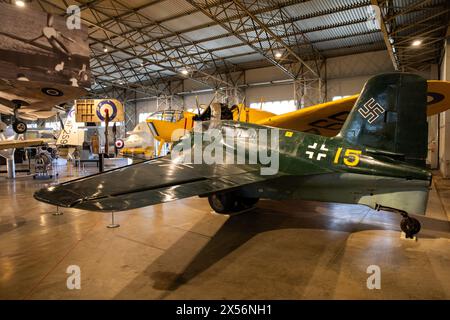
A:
[337,18]
[166,9]
[359,49]
[411,18]
[338,32]
[222,42]
[350,42]
[234,51]
[311,7]
[246,58]
[188,21]
[205,33]
[334,27]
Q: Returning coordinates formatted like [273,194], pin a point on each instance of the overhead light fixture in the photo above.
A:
[184,71]
[20,3]
[278,55]
[417,43]
[105,49]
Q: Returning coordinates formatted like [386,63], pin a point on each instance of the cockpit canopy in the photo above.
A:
[167,115]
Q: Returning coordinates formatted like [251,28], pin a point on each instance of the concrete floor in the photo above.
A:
[180,250]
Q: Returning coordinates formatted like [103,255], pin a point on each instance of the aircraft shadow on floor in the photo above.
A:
[239,229]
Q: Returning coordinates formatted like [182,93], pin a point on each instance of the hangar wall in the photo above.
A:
[345,76]
[444,118]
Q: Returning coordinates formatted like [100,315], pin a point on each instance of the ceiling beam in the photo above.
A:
[175,63]
[386,36]
[164,50]
[269,44]
[149,26]
[284,36]
[275,23]
[399,38]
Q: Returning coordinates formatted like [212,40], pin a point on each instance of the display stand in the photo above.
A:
[11,167]
[57,213]
[113,224]
[101,162]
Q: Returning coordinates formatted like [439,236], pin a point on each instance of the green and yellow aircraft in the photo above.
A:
[377,159]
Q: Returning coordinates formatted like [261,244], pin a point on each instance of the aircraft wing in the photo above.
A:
[148,183]
[39,97]
[12,144]
[326,119]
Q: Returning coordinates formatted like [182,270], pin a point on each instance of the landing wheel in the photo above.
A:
[19,127]
[248,202]
[410,226]
[223,202]
[226,203]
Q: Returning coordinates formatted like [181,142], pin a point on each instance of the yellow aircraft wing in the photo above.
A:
[323,119]
[438,96]
[163,129]
[326,119]
[12,144]
[246,114]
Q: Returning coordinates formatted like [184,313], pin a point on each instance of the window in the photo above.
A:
[277,107]
[167,115]
[339,97]
[143,116]
[194,110]
[118,124]
[55,125]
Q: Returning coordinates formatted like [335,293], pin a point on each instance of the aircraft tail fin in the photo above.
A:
[70,135]
[390,117]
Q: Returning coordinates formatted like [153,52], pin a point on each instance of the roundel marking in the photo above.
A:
[434,97]
[106,105]
[53,92]
[71,113]
[119,144]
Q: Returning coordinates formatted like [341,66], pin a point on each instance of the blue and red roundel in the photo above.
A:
[106,105]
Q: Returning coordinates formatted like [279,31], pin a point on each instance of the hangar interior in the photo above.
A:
[273,55]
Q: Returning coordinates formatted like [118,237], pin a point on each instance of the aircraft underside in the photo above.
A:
[397,193]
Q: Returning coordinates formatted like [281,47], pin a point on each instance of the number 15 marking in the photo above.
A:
[351,157]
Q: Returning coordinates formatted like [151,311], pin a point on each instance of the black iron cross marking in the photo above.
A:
[371,110]
[314,147]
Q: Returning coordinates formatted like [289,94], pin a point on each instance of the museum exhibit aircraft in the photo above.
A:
[377,160]
[70,137]
[164,123]
[41,68]
[8,146]
[327,118]
[12,142]
[324,119]
[32,100]
[140,141]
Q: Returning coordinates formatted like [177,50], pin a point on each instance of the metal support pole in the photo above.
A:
[113,224]
[101,162]
[11,167]
[299,93]
[57,213]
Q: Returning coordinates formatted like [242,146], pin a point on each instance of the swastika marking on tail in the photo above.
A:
[371,110]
